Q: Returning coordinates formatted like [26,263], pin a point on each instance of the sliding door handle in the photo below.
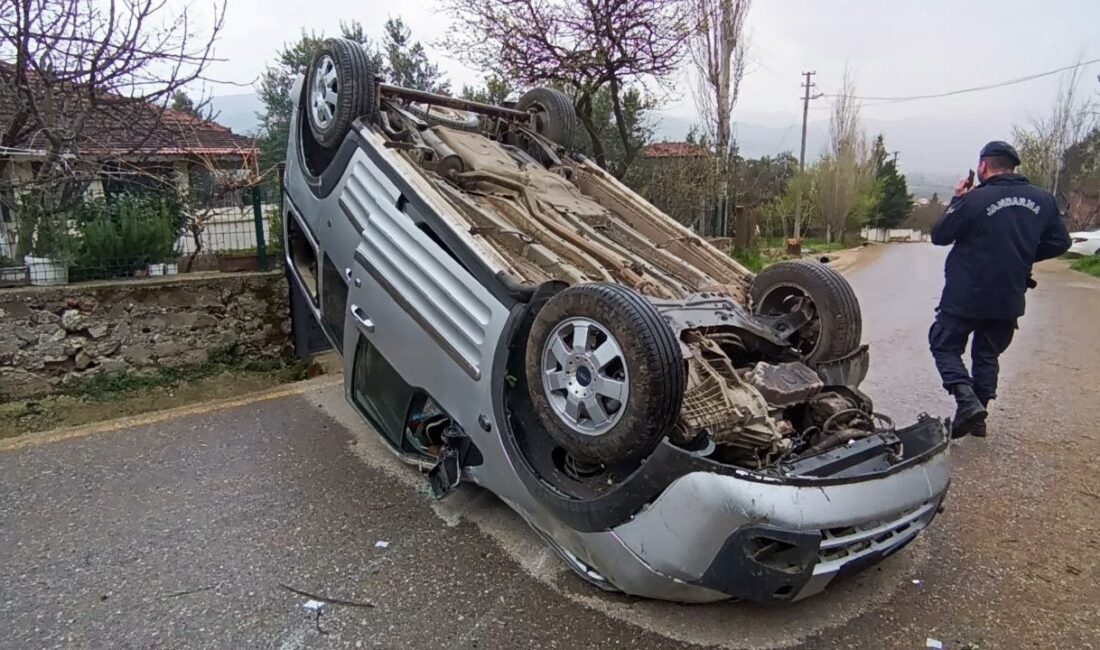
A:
[362,317]
[347,274]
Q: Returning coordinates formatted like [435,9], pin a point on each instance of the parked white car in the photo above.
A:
[1085,243]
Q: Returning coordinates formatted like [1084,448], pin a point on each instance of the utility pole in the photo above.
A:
[807,85]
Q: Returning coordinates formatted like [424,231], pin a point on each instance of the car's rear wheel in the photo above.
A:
[555,118]
[820,299]
[604,372]
[340,88]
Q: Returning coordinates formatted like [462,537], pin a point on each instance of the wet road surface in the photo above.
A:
[180,530]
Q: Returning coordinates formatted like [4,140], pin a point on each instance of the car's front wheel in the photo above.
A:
[605,373]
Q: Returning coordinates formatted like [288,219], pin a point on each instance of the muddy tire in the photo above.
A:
[604,372]
[835,326]
[555,118]
[340,87]
[444,116]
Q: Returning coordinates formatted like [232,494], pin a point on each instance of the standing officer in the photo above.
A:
[999,229]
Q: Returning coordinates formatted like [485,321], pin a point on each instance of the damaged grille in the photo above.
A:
[851,542]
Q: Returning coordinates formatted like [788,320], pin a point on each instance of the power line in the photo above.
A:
[1010,82]
[776,149]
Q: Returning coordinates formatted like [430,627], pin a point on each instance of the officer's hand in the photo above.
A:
[963,186]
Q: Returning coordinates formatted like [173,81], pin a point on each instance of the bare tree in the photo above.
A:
[718,52]
[1043,142]
[71,65]
[582,46]
[843,173]
[200,206]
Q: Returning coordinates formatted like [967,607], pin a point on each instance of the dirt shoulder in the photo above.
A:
[122,396]
[849,260]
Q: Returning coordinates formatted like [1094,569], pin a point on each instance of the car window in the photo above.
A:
[379,391]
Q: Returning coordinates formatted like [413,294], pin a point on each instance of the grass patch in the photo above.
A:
[822,246]
[1090,265]
[111,385]
[106,385]
[751,259]
[763,256]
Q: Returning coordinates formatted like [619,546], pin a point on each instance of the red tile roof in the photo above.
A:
[122,127]
[675,150]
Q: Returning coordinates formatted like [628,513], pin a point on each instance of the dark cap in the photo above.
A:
[1001,149]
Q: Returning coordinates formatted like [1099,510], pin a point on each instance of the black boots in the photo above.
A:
[969,412]
[979,430]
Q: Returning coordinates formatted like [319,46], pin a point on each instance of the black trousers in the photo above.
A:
[948,338]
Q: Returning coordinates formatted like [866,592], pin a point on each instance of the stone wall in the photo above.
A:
[50,336]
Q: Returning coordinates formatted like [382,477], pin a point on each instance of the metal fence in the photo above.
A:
[138,235]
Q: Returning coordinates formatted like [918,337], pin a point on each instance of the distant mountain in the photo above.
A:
[238,112]
[923,186]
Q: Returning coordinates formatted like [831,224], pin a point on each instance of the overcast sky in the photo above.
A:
[894,49]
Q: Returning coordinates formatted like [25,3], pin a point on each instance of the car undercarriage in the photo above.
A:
[749,397]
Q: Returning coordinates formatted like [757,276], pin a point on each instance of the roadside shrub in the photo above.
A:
[126,234]
[45,231]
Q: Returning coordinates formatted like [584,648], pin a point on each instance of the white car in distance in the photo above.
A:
[1085,243]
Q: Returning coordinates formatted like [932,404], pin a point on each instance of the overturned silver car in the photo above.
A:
[511,315]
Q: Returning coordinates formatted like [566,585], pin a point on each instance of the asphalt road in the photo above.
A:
[184,529]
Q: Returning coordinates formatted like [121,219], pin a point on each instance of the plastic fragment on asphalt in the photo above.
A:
[381,544]
[933,643]
[313,605]
[918,582]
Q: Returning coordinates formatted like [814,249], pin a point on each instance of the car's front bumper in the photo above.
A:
[710,536]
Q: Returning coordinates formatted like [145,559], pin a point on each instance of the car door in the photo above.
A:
[418,323]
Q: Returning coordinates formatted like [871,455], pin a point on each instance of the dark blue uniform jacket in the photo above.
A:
[999,229]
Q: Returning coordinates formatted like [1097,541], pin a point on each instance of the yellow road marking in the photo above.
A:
[83,430]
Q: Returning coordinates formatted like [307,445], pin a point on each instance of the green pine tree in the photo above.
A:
[495,91]
[407,63]
[183,103]
[895,202]
[889,201]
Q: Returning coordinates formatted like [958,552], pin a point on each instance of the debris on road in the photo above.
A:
[933,643]
[186,592]
[326,599]
[381,544]
[313,605]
